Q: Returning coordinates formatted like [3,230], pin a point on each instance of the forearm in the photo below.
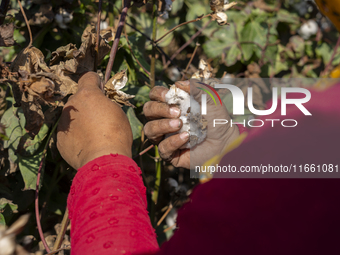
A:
[107,206]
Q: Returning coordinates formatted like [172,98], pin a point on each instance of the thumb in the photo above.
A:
[183,85]
[90,80]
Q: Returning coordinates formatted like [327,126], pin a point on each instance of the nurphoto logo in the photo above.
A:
[239,102]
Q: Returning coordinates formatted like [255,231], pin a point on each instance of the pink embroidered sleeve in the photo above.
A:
[108,209]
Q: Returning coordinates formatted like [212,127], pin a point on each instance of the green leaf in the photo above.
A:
[7,209]
[142,96]
[222,40]
[252,32]
[2,220]
[237,17]
[137,43]
[176,6]
[136,125]
[14,121]
[29,169]
[280,65]
[309,49]
[234,54]
[32,145]
[325,52]
[5,202]
[287,17]
[298,45]
[196,9]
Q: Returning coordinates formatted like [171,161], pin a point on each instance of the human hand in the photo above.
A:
[164,120]
[91,125]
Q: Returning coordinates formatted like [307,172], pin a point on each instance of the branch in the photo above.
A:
[133,54]
[192,57]
[116,41]
[3,10]
[27,24]
[329,65]
[186,44]
[37,214]
[158,48]
[62,232]
[165,214]
[184,23]
[98,36]
[144,151]
[153,58]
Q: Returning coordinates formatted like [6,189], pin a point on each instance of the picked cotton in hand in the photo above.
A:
[193,123]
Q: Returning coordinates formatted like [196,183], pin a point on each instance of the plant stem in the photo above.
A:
[186,44]
[133,54]
[144,151]
[62,232]
[153,58]
[155,193]
[329,65]
[184,23]
[37,214]
[116,41]
[3,10]
[157,47]
[98,36]
[27,24]
[164,215]
[192,57]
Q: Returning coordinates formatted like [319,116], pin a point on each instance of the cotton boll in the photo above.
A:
[221,18]
[168,5]
[171,218]
[164,15]
[63,17]
[103,25]
[308,29]
[7,242]
[192,120]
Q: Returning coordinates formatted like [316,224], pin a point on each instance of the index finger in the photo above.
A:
[158,93]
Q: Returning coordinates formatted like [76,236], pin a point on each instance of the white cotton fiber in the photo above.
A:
[193,123]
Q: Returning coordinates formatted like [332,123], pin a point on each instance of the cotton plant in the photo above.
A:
[219,7]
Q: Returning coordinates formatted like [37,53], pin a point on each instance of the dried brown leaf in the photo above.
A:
[6,35]
[33,113]
[30,60]
[44,16]
[3,102]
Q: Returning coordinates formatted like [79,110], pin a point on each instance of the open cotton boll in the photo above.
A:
[308,29]
[192,120]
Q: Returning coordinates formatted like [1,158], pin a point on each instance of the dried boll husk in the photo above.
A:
[114,85]
[219,7]
[204,71]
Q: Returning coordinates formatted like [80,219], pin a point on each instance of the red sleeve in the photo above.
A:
[108,209]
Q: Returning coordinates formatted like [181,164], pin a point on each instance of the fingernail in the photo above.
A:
[184,136]
[175,123]
[174,111]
